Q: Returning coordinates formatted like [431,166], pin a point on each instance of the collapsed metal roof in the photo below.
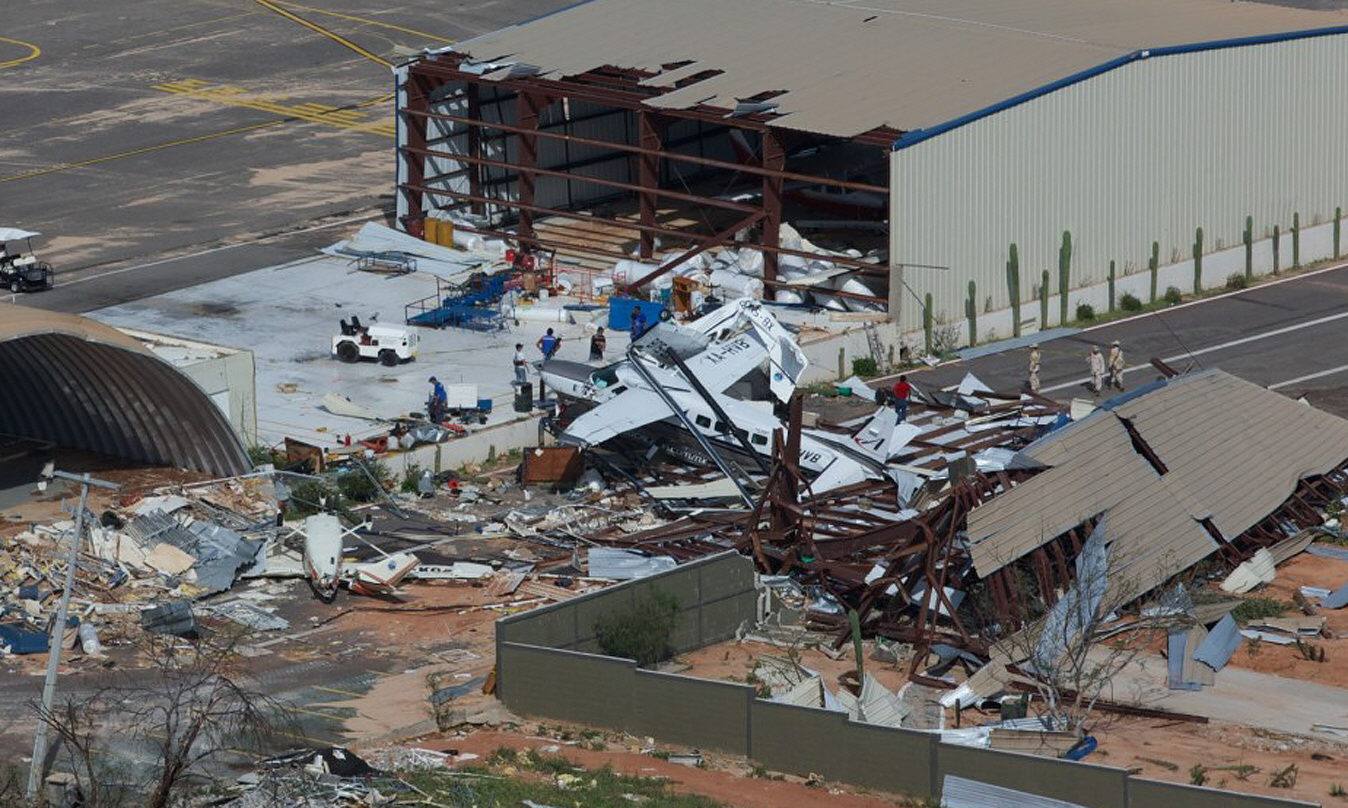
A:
[84,385]
[845,68]
[1206,447]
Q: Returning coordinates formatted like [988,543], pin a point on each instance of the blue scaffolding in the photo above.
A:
[475,304]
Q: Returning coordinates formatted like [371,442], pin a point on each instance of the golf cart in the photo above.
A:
[21,271]
[389,344]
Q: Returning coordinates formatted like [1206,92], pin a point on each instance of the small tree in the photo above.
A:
[1248,238]
[191,707]
[1111,287]
[1296,241]
[1068,648]
[971,312]
[1013,288]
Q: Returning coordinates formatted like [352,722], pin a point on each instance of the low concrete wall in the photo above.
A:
[1155,794]
[474,447]
[1317,244]
[801,740]
[1084,784]
[545,670]
[716,595]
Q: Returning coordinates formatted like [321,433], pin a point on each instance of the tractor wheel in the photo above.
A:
[15,287]
[348,352]
[388,358]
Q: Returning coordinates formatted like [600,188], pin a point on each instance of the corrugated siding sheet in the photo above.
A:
[1149,151]
[1233,452]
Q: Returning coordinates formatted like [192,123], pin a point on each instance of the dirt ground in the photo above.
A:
[1286,660]
[1169,751]
[725,779]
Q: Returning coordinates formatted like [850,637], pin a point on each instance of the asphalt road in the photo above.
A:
[1290,334]
[135,130]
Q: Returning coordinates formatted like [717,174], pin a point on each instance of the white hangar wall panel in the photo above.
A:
[1147,151]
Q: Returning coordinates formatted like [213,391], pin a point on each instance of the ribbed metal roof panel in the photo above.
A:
[847,68]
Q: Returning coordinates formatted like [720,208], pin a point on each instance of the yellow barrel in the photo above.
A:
[432,230]
[445,233]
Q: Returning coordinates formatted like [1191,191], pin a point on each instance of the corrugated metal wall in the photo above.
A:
[1149,151]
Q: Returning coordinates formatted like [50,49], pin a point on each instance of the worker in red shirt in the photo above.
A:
[902,390]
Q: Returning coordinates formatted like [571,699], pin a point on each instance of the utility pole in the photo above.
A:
[58,628]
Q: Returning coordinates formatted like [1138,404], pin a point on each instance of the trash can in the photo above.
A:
[524,397]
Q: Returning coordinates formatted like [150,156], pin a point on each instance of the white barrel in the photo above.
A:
[736,285]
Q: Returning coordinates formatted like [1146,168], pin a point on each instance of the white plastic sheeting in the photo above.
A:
[617,564]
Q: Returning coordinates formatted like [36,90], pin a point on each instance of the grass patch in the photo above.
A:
[1256,608]
[508,778]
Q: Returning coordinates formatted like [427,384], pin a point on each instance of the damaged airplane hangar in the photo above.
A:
[968,518]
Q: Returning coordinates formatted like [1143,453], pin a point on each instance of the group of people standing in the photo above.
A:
[1104,371]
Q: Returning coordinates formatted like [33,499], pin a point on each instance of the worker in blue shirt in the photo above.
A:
[638,322]
[438,402]
[549,343]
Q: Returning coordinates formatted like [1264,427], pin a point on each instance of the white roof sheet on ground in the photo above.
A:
[850,67]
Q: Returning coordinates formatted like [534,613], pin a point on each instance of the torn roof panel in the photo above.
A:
[1233,452]
[905,64]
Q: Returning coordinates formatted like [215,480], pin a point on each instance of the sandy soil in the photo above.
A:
[724,779]
[1286,660]
[1125,742]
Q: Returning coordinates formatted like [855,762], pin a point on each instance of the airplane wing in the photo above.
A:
[629,410]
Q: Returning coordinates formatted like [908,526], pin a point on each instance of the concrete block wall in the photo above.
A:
[546,669]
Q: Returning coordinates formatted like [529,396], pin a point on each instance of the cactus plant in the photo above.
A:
[1296,241]
[1043,302]
[1154,266]
[1064,274]
[1111,286]
[1013,288]
[1249,247]
[926,322]
[971,311]
[1338,216]
[1277,258]
[1198,261]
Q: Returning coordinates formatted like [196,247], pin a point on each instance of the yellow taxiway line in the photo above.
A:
[33,52]
[318,29]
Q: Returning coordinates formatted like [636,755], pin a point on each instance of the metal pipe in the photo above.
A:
[674,407]
[58,628]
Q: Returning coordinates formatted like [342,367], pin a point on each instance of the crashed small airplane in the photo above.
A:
[717,380]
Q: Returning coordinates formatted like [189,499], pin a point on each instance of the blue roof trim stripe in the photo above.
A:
[919,135]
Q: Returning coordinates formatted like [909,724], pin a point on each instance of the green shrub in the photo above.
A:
[411,476]
[642,631]
[1129,302]
[260,455]
[1237,280]
[1257,608]
[357,486]
[865,367]
[307,499]
[1172,295]
[1085,311]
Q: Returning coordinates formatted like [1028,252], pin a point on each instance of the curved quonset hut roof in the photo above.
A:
[85,385]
